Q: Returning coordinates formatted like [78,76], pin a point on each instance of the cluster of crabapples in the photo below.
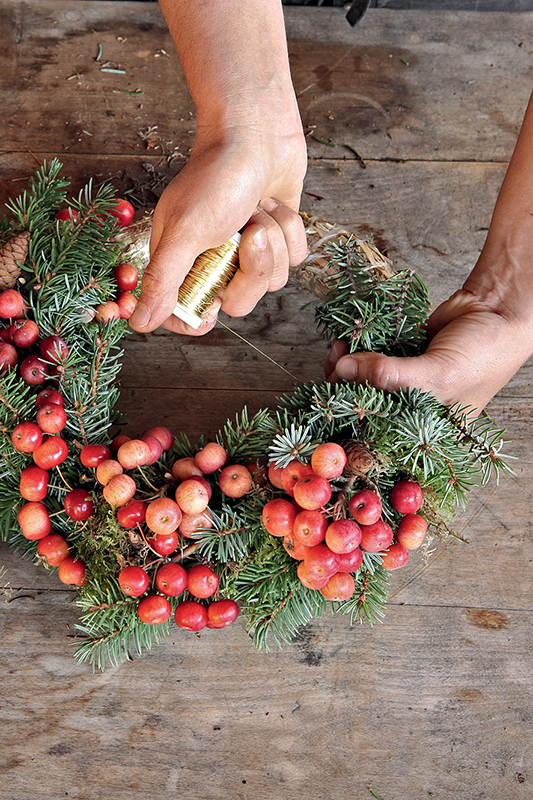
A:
[329,542]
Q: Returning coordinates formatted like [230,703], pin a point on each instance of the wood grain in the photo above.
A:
[435,702]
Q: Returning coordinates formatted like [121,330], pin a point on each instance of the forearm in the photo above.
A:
[234,55]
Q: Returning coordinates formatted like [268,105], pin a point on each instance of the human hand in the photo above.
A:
[473,352]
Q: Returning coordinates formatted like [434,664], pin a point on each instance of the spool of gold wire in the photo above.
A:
[210,273]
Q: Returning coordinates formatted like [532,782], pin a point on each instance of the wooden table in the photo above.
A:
[423,109]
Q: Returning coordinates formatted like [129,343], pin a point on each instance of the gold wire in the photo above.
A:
[210,273]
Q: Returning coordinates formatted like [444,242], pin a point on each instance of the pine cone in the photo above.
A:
[12,254]
[359,458]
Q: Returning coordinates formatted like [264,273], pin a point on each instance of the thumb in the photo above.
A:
[387,372]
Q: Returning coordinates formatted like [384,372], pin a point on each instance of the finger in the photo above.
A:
[209,320]
[292,225]
[338,350]
[258,250]
[391,373]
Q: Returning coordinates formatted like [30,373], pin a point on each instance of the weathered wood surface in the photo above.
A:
[436,702]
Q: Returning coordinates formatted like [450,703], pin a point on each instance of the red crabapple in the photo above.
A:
[126,302]
[328,460]
[53,348]
[79,504]
[34,520]
[11,303]
[406,497]
[320,560]
[195,523]
[8,357]
[190,615]
[274,475]
[126,276]
[49,396]
[156,449]
[93,454]
[133,513]
[221,613]
[67,215]
[350,562]
[54,549]
[123,212]
[51,418]
[411,531]
[211,457]
[365,507]
[163,515]
[133,581]
[120,490]
[33,483]
[24,332]
[118,441]
[292,474]
[51,453]
[185,468]
[312,492]
[164,543]
[154,609]
[171,579]
[191,496]
[376,537]
[310,578]
[397,556]
[108,469]
[133,453]
[310,527]
[340,586]
[33,371]
[27,436]
[72,571]
[202,582]
[343,536]
[105,312]
[235,481]
[294,547]
[278,517]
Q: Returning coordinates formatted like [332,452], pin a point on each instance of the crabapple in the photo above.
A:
[343,536]
[164,543]
[163,515]
[54,548]
[133,453]
[278,517]
[132,513]
[411,531]
[310,527]
[67,215]
[191,615]
[164,435]
[376,537]
[126,302]
[396,556]
[123,212]
[195,523]
[53,348]
[27,436]
[119,440]
[126,276]
[79,504]
[119,490]
[105,312]
[274,475]
[203,482]
[350,562]
[171,579]
[156,449]
[191,496]
[51,418]
[24,332]
[309,578]
[202,582]
[294,547]
[406,497]
[340,586]
[8,356]
[365,507]
[312,492]
[185,468]
[11,303]
[133,581]
[235,481]
[221,613]
[51,453]
[33,371]
[154,609]
[108,469]
[211,457]
[49,396]
[321,561]
[34,520]
[93,454]
[72,571]
[328,460]
[33,483]
[292,474]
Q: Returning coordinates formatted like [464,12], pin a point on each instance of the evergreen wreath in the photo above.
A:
[64,269]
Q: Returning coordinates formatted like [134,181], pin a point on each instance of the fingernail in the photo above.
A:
[268,204]
[346,369]
[141,316]
[260,239]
